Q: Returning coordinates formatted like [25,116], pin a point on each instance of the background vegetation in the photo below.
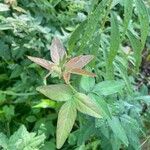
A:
[116,32]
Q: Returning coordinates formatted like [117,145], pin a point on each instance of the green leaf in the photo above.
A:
[92,24]
[75,36]
[86,105]
[66,119]
[137,48]
[114,46]
[4,7]
[108,87]
[58,92]
[124,74]
[3,141]
[144,20]
[23,140]
[102,105]
[145,98]
[128,8]
[46,103]
[87,83]
[118,130]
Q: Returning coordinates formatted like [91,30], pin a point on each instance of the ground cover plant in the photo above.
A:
[74,74]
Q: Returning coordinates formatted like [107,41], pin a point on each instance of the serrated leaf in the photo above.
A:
[124,74]
[66,119]
[58,92]
[85,105]
[108,87]
[87,83]
[114,46]
[118,130]
[144,20]
[57,51]
[75,36]
[137,48]
[128,8]
[42,62]
[92,24]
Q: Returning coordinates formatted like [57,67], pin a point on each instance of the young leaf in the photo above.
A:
[85,105]
[108,87]
[58,92]
[42,62]
[57,51]
[144,20]
[66,77]
[79,62]
[114,46]
[118,130]
[66,119]
[82,72]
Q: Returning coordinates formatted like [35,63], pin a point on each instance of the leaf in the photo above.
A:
[66,77]
[101,104]
[92,24]
[114,46]
[108,87]
[57,51]
[22,139]
[87,83]
[118,130]
[75,36]
[66,119]
[124,74]
[82,72]
[78,62]
[4,7]
[144,20]
[3,141]
[58,92]
[42,62]
[85,105]
[46,103]
[145,98]
[137,48]
[128,8]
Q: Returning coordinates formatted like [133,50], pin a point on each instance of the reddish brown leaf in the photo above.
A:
[82,72]
[42,62]
[57,51]
[66,77]
[79,61]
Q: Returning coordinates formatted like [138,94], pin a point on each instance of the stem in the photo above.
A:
[74,90]
[145,141]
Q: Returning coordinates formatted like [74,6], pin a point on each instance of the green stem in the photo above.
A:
[74,90]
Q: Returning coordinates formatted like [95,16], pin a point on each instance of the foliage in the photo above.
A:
[104,108]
